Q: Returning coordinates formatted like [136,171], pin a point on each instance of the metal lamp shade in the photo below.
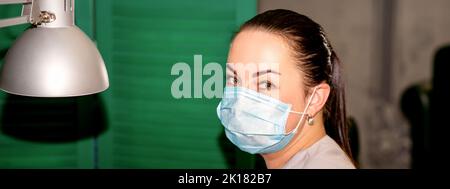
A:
[53,62]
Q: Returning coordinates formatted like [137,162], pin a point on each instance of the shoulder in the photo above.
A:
[324,154]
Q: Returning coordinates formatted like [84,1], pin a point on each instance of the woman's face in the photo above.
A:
[262,61]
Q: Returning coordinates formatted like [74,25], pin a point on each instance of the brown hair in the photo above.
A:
[316,59]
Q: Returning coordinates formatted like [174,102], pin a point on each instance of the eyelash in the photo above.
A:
[234,82]
[267,85]
[263,85]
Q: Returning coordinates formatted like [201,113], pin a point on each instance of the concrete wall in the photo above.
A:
[386,46]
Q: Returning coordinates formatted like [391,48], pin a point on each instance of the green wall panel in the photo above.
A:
[142,40]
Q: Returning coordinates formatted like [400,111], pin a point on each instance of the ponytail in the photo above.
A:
[335,116]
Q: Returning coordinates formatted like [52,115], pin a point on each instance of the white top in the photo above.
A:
[324,154]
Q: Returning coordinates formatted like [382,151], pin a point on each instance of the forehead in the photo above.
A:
[256,46]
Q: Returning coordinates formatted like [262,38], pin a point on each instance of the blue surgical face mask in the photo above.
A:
[254,122]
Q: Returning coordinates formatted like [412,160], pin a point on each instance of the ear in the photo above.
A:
[319,99]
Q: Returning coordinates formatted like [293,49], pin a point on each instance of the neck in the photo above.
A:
[302,140]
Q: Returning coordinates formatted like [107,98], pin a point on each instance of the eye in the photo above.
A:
[232,80]
[265,85]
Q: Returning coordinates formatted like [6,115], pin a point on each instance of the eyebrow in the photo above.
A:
[233,70]
[257,74]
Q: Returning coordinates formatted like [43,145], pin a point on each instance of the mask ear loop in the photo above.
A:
[303,114]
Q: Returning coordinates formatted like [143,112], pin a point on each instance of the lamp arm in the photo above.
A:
[5,2]
[31,13]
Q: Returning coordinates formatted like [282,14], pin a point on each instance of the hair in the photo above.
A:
[316,59]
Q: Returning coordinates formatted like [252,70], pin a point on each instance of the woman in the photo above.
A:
[262,111]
